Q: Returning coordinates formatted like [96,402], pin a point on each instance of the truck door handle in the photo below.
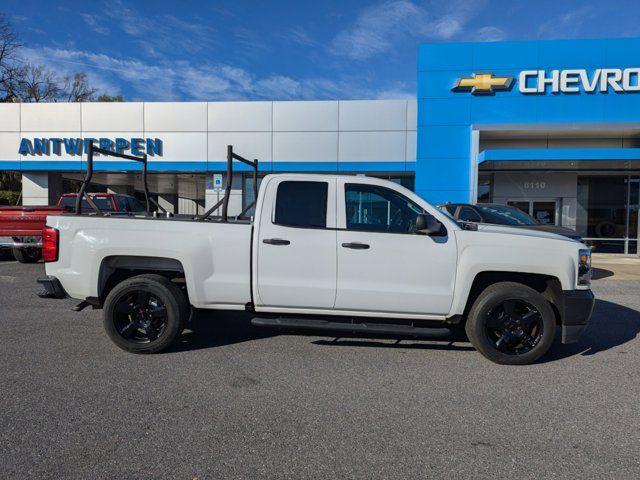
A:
[356,245]
[276,241]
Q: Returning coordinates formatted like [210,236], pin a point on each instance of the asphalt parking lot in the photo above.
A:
[232,401]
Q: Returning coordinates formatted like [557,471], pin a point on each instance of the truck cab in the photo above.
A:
[349,244]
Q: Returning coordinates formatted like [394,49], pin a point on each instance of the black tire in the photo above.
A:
[145,313]
[511,324]
[6,254]
[27,255]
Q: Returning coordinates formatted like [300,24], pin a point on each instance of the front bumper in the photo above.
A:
[52,288]
[577,306]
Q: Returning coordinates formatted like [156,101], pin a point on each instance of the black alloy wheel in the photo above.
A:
[145,313]
[140,317]
[511,324]
[514,327]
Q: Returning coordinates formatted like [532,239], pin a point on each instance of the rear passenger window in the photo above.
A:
[302,204]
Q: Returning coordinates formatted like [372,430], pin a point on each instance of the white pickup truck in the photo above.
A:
[348,254]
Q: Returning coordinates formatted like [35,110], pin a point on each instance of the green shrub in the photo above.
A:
[8,197]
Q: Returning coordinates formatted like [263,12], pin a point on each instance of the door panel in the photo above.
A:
[398,272]
[296,249]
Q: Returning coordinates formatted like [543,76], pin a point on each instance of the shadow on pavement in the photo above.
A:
[611,325]
[599,273]
[209,329]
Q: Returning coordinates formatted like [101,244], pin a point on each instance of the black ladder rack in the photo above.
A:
[231,156]
[87,179]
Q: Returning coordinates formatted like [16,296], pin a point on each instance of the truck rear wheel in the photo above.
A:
[27,255]
[511,324]
[145,313]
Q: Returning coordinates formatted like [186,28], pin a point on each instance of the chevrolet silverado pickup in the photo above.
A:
[346,254]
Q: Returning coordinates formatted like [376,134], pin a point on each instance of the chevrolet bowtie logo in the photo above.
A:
[482,84]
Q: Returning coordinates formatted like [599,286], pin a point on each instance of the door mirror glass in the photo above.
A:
[427,224]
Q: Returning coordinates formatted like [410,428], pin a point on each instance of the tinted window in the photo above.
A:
[503,215]
[379,209]
[302,204]
[467,214]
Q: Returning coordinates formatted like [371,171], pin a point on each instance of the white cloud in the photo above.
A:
[63,67]
[372,32]
[380,28]
[567,24]
[93,21]
[489,34]
[300,36]
[447,27]
[168,81]
[159,35]
[393,94]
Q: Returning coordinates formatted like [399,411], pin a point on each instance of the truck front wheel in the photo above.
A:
[511,324]
[145,313]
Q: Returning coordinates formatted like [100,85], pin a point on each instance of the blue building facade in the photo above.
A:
[515,121]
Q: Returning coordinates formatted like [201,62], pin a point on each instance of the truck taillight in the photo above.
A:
[49,244]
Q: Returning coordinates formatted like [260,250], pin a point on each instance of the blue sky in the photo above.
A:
[279,50]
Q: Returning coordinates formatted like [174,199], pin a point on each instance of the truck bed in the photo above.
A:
[216,253]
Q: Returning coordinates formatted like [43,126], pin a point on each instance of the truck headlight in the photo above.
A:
[584,266]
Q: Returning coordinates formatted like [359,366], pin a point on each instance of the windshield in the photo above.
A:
[503,215]
[103,203]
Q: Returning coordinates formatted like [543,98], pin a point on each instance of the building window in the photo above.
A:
[607,214]
[485,188]
[407,181]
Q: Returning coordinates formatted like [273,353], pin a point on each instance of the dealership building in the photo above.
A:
[551,127]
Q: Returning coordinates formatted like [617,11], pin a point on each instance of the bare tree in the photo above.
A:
[36,83]
[9,64]
[77,89]
[109,98]
[25,82]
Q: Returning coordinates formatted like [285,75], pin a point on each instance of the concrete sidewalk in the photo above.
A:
[615,267]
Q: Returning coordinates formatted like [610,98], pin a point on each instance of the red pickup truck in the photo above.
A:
[21,227]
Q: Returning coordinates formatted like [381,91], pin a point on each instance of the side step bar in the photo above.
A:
[374,328]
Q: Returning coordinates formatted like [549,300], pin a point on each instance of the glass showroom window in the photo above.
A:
[607,214]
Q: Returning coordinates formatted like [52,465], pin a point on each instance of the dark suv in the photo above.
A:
[503,215]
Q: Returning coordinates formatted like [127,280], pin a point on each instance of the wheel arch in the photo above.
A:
[116,268]
[547,285]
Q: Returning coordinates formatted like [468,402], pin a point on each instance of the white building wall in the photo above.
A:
[339,135]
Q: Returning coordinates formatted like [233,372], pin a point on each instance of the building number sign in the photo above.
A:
[535,185]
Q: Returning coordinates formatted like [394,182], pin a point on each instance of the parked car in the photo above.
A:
[324,252]
[496,214]
[21,227]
